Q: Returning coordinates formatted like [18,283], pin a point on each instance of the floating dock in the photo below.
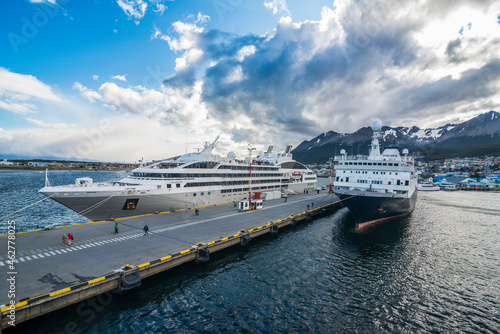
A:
[49,276]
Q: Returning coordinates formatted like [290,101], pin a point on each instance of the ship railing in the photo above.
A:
[366,157]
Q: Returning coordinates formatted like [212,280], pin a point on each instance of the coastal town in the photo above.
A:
[457,173]
[474,173]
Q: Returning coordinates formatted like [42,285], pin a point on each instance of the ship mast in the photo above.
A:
[250,149]
[377,133]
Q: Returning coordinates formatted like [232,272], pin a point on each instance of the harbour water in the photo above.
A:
[434,271]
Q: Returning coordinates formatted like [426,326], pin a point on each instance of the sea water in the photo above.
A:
[436,270]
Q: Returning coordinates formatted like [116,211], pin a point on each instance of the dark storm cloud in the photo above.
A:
[472,85]
[341,72]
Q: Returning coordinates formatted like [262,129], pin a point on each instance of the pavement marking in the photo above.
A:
[36,254]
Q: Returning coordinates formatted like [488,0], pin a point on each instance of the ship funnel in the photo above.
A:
[270,149]
[288,149]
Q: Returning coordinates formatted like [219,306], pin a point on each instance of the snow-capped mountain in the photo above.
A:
[480,131]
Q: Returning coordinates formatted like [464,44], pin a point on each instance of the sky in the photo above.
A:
[121,80]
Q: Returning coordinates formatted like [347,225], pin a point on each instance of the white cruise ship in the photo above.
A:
[190,180]
[379,186]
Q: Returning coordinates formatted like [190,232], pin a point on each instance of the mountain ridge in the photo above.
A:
[481,134]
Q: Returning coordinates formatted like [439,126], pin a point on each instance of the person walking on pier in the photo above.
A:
[307,207]
[70,239]
[63,240]
[116,228]
[146,229]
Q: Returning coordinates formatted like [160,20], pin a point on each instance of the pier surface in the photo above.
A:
[44,268]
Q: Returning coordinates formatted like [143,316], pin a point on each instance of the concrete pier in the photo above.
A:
[50,276]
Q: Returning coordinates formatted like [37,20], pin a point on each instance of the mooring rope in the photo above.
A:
[28,206]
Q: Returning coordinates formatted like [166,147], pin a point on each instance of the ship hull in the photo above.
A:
[110,204]
[100,207]
[368,209]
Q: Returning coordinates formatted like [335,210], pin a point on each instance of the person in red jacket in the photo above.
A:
[70,239]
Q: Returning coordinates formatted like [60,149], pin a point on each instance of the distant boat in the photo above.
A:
[428,187]
[450,187]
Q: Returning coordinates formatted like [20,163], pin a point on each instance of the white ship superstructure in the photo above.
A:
[190,180]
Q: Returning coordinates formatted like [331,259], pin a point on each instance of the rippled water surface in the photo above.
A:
[435,271]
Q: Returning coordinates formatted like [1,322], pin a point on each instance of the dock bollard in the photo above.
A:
[274,228]
[203,254]
[129,278]
[245,239]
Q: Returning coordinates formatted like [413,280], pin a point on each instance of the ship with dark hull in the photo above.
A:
[377,187]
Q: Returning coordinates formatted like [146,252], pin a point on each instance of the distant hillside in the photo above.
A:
[478,136]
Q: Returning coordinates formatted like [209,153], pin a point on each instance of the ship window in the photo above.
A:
[407,183]
[293,165]
[158,186]
[369,164]
[364,163]
[204,164]
[169,186]
[194,194]
[390,164]
[209,193]
[347,179]
[178,185]
[398,182]
[202,194]
[384,164]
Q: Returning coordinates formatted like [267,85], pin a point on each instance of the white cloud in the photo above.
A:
[53,2]
[88,94]
[171,106]
[95,77]
[235,75]
[277,6]
[245,51]
[120,77]
[113,138]
[49,125]
[136,9]
[17,90]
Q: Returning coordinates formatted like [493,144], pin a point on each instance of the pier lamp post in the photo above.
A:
[250,149]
